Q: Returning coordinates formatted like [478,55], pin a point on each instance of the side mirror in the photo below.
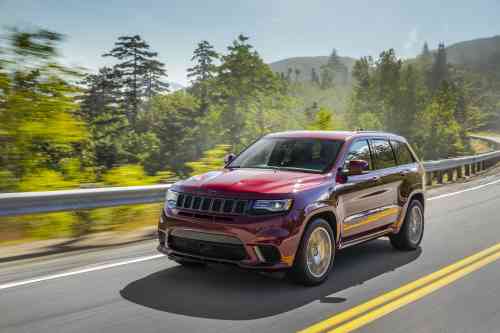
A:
[356,167]
[229,158]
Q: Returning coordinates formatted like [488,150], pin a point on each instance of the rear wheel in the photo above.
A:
[315,256]
[412,231]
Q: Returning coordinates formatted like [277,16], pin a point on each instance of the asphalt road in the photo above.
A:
[103,291]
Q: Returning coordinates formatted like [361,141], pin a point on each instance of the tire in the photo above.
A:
[410,235]
[319,240]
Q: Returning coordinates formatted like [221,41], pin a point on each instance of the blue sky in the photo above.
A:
[278,28]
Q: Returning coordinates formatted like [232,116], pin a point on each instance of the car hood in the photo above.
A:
[260,181]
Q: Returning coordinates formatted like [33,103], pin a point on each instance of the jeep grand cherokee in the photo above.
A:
[291,200]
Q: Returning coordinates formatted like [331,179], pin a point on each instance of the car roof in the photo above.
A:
[335,135]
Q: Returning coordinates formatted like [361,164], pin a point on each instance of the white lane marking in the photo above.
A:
[80,271]
[462,191]
[156,256]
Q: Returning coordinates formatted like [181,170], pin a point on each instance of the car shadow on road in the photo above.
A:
[228,293]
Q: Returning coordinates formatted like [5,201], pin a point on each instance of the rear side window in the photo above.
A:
[383,154]
[360,150]
[402,152]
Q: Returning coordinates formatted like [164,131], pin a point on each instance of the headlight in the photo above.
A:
[273,206]
[171,198]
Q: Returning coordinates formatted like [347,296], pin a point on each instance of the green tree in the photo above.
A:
[154,76]
[203,72]
[39,128]
[438,135]
[323,120]
[314,77]
[106,120]
[297,74]
[331,70]
[426,53]
[170,124]
[364,100]
[212,160]
[439,71]
[243,82]
[139,71]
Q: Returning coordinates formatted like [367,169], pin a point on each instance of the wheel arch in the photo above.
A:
[327,215]
[416,195]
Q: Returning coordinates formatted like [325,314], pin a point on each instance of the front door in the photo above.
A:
[369,200]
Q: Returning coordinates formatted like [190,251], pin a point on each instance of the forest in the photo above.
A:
[64,127]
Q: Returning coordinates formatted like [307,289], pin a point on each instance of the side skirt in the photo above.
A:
[373,234]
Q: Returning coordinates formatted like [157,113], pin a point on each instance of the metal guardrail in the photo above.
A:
[12,204]
[460,167]
[23,203]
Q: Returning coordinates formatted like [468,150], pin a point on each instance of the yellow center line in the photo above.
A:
[413,296]
[394,294]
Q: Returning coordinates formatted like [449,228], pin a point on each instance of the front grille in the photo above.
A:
[211,205]
[208,249]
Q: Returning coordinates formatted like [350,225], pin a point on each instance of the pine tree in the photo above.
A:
[426,53]
[439,132]
[314,76]
[243,82]
[297,74]
[139,71]
[203,72]
[105,119]
[289,74]
[439,71]
[329,70]
[101,94]
[153,73]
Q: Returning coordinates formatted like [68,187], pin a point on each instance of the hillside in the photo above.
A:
[306,64]
[474,53]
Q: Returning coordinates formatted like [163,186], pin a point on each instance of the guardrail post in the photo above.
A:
[450,175]
[473,168]
[440,177]
[467,170]
[459,172]
[428,178]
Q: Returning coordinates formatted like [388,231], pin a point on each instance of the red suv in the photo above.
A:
[291,200]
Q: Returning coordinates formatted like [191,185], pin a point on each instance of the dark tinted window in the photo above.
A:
[313,155]
[360,150]
[403,154]
[382,151]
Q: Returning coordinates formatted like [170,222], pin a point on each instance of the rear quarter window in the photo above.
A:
[402,152]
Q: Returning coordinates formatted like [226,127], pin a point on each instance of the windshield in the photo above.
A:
[308,155]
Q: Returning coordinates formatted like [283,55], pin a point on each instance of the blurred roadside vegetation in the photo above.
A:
[63,127]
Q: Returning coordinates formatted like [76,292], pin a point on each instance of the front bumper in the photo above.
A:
[267,243]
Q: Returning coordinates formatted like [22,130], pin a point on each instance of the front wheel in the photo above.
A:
[412,231]
[316,254]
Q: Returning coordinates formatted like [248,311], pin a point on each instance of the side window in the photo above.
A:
[360,150]
[383,154]
[403,154]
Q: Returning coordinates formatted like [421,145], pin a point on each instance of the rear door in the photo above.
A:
[390,178]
